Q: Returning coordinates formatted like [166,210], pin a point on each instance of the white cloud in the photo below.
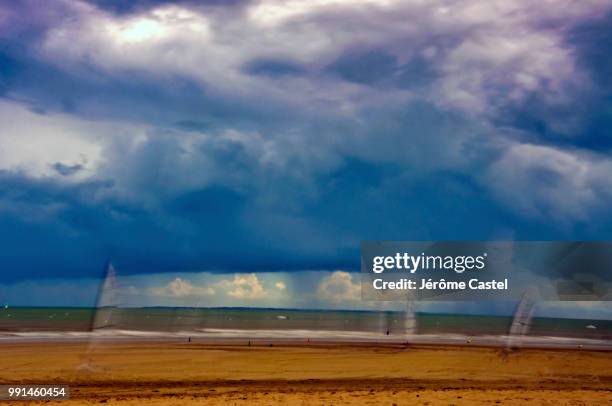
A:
[339,287]
[32,143]
[280,285]
[243,286]
[490,70]
[487,53]
[268,13]
[179,287]
[167,40]
[545,181]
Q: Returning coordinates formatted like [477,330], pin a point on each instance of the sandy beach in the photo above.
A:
[135,373]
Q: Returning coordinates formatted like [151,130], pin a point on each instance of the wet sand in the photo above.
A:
[138,373]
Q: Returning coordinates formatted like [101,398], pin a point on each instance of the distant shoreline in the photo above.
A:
[301,338]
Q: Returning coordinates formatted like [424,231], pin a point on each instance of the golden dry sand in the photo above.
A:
[166,373]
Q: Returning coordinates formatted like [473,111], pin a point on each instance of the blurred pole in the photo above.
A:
[521,322]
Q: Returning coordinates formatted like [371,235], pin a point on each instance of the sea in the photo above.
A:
[266,323]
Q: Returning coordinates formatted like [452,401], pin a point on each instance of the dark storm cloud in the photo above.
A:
[582,122]
[244,136]
[273,68]
[590,40]
[67,170]
[126,7]
[96,94]
[367,67]
[218,229]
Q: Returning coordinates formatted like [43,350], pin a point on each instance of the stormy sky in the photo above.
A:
[251,136]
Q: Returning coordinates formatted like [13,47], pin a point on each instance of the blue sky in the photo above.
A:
[250,136]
